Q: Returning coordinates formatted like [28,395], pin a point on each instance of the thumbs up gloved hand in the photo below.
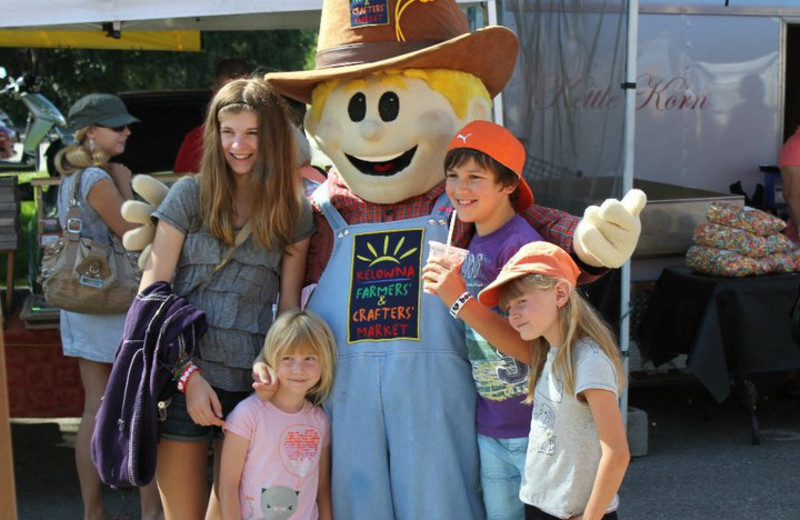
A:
[607,234]
[136,212]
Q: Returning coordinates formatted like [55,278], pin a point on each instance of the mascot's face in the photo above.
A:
[387,136]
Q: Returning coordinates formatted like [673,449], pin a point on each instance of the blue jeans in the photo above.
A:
[502,467]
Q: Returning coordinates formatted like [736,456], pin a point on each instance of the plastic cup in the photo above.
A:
[452,255]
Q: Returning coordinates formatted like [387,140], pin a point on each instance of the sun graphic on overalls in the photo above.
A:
[385,256]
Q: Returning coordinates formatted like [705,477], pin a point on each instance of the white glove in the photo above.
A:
[607,234]
[141,238]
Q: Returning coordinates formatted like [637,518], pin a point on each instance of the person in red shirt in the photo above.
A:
[789,163]
[191,150]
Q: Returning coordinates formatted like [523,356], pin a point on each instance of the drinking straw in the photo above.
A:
[450,232]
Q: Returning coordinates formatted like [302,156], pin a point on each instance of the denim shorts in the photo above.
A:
[179,425]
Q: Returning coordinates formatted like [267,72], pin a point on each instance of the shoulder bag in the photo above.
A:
[82,275]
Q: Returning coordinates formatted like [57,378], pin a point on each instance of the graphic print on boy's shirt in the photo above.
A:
[497,376]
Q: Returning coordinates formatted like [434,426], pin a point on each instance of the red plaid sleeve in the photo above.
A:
[558,227]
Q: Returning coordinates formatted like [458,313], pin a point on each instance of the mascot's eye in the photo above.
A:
[389,106]
[357,109]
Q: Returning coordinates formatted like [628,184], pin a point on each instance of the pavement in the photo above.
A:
[700,461]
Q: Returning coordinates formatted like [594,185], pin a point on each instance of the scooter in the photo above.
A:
[45,122]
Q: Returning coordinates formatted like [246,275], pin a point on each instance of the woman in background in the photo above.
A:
[101,122]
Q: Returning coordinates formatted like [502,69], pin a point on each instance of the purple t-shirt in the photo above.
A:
[501,380]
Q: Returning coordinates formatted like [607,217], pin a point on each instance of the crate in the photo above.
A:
[36,314]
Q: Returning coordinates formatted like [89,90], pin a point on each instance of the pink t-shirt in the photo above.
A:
[790,151]
[790,156]
[281,471]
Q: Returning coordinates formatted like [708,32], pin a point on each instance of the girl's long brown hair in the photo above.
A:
[577,320]
[278,204]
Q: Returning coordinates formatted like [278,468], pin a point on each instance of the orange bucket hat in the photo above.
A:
[533,258]
[500,144]
[357,37]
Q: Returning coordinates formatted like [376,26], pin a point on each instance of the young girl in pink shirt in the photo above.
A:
[276,454]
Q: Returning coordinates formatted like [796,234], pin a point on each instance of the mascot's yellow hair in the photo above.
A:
[459,88]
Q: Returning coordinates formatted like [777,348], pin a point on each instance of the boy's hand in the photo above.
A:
[608,234]
[444,281]
[265,382]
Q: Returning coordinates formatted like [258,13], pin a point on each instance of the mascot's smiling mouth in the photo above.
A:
[381,166]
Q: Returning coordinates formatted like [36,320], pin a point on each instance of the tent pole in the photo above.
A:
[627,183]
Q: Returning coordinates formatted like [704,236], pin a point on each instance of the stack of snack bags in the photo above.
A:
[741,241]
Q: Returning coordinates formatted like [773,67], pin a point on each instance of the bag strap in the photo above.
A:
[74,222]
[241,236]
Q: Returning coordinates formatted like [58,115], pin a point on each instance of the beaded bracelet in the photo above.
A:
[180,366]
[183,381]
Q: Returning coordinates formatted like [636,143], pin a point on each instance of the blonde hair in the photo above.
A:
[77,156]
[279,204]
[302,331]
[456,86]
[577,320]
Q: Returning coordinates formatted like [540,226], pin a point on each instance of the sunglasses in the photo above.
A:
[117,129]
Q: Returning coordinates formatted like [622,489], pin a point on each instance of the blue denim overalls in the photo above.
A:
[402,407]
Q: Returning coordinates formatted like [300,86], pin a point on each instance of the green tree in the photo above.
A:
[68,74]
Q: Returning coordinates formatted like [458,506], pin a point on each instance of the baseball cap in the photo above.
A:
[499,144]
[101,110]
[533,258]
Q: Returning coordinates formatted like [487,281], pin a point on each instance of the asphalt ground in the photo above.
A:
[700,461]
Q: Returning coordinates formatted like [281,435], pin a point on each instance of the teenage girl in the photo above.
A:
[247,180]
[276,454]
[577,449]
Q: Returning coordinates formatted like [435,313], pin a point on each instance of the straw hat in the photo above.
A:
[356,40]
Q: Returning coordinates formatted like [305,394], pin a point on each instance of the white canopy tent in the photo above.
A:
[150,15]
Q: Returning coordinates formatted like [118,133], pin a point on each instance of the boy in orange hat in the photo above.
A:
[483,171]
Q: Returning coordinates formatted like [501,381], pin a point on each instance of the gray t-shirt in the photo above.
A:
[563,447]
[238,298]
[93,225]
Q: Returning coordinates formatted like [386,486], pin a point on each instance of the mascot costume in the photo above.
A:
[394,81]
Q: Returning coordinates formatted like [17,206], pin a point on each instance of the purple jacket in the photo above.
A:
[161,329]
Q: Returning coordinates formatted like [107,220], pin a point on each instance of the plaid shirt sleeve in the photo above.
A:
[558,227]
[319,251]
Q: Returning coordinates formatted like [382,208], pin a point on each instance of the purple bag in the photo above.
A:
[160,330]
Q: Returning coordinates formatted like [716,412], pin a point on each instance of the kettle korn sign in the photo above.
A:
[385,286]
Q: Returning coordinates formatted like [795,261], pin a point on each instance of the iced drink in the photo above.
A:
[451,254]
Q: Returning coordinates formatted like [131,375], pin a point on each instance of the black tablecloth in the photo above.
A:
[725,325]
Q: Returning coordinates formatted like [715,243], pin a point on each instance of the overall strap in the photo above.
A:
[323,199]
[442,209]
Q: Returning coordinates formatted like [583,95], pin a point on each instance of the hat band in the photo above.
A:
[357,53]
